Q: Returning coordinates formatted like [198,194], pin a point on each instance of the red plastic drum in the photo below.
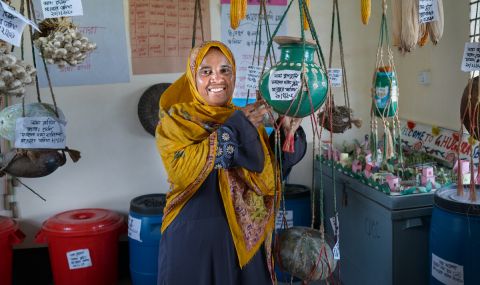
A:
[9,235]
[83,246]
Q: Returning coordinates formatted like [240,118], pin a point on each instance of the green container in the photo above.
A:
[386,94]
[280,86]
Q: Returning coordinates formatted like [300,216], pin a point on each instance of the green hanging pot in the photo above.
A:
[280,86]
[386,93]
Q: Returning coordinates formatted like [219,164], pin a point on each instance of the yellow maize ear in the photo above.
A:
[238,11]
[305,21]
[366,7]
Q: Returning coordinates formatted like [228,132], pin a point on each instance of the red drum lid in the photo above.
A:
[83,222]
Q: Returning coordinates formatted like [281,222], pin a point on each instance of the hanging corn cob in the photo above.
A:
[396,22]
[305,21]
[410,25]
[366,6]
[435,28]
[422,35]
[238,11]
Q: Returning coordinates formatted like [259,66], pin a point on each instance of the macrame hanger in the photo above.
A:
[197,15]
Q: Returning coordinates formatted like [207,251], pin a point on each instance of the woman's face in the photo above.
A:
[215,78]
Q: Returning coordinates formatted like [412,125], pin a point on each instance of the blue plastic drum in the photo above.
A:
[298,212]
[144,223]
[455,238]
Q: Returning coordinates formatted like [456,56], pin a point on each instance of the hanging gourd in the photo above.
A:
[61,43]
[304,253]
[296,86]
[385,95]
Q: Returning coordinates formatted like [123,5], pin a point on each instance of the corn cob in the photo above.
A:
[435,28]
[366,7]
[238,11]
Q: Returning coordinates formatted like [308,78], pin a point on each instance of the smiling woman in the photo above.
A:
[219,215]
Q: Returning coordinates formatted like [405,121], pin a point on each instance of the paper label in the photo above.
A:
[61,8]
[336,251]
[334,222]
[471,57]
[134,227]
[427,11]
[12,24]
[336,77]
[284,84]
[279,219]
[447,272]
[253,76]
[39,132]
[79,259]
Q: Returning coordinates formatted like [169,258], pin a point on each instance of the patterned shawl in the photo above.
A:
[187,141]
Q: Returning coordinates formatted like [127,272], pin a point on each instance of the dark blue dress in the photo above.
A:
[197,247]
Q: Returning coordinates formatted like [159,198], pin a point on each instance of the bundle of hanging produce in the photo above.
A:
[365,7]
[238,12]
[408,32]
[61,43]
[15,74]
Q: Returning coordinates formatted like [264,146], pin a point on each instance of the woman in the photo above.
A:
[220,207]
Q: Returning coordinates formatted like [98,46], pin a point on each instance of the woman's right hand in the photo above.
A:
[255,112]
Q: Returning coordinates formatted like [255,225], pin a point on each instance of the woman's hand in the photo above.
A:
[255,112]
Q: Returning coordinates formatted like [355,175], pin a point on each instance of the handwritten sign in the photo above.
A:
[79,259]
[12,24]
[61,8]
[442,144]
[471,57]
[245,39]
[335,76]
[284,84]
[253,76]
[39,132]
[427,11]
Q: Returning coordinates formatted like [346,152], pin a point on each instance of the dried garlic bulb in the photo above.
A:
[61,43]
[15,74]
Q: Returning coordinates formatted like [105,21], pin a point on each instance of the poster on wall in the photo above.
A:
[242,40]
[436,141]
[108,63]
[161,34]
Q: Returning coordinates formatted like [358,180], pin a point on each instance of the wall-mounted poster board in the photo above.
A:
[161,34]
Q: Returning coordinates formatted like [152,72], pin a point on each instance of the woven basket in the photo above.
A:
[148,106]
[341,119]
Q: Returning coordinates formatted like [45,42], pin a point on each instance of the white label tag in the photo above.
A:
[336,77]
[61,8]
[284,84]
[39,132]
[279,219]
[447,272]
[427,11]
[12,24]
[336,251]
[79,259]
[471,57]
[334,222]
[253,76]
[134,227]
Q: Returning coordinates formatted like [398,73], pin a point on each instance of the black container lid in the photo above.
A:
[150,204]
[447,199]
[296,191]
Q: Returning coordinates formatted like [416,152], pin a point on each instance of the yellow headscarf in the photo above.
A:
[187,140]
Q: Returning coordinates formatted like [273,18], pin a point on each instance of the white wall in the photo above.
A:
[120,160]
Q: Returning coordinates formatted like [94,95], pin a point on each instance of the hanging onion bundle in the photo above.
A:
[15,74]
[435,28]
[61,43]
[238,12]
[366,7]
